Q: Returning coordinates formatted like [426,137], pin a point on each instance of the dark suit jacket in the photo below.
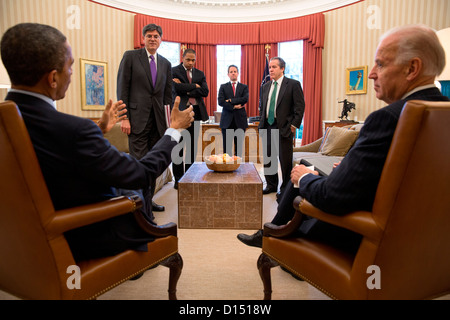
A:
[353,184]
[228,113]
[289,108]
[186,90]
[135,88]
[81,167]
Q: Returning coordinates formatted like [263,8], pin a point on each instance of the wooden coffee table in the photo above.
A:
[220,200]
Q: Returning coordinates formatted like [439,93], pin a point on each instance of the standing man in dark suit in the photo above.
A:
[232,98]
[78,164]
[190,85]
[407,61]
[281,113]
[144,84]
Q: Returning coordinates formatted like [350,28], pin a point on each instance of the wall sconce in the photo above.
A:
[444,77]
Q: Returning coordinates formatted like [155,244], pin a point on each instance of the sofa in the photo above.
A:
[120,140]
[329,149]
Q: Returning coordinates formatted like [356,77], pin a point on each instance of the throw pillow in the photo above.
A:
[337,141]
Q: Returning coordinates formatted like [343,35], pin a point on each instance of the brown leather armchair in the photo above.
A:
[407,235]
[35,256]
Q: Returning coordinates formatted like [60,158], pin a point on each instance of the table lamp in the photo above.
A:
[444,77]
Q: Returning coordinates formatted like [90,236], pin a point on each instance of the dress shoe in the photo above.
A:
[175,186]
[157,207]
[292,274]
[254,240]
[278,196]
[268,190]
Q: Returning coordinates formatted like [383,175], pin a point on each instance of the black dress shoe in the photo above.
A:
[254,240]
[157,207]
[292,274]
[175,186]
[268,190]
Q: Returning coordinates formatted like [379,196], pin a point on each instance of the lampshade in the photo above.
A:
[444,37]
[4,78]
[444,77]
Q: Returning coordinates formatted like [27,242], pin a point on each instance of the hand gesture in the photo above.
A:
[113,113]
[181,119]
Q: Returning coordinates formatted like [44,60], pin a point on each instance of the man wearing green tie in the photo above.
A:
[281,113]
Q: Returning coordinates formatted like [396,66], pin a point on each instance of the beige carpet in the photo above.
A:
[217,266]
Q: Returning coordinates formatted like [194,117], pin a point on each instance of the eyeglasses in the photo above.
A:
[149,36]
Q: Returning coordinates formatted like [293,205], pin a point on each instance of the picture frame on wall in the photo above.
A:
[94,84]
[356,80]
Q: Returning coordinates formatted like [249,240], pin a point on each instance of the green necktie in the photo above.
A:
[272,104]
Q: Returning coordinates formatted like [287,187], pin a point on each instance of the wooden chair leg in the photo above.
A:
[264,265]
[175,264]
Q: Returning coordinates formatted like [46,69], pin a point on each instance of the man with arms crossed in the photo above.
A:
[190,85]
[233,96]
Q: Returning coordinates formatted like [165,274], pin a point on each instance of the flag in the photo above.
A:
[266,75]
[266,78]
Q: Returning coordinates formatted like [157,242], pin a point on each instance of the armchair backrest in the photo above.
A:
[27,265]
[412,205]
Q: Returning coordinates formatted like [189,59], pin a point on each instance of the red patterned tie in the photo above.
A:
[192,101]
[234,89]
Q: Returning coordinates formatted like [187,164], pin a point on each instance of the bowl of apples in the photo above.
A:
[223,162]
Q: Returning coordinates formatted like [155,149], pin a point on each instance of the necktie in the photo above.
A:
[234,89]
[192,101]
[271,118]
[153,69]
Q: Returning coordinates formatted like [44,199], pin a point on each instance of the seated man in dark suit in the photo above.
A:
[78,164]
[232,97]
[407,61]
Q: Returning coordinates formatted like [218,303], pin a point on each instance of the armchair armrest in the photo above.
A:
[76,217]
[272,230]
[361,222]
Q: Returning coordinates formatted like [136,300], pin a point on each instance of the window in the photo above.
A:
[226,55]
[170,51]
[292,54]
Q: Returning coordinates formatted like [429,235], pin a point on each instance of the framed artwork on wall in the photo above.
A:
[356,80]
[94,84]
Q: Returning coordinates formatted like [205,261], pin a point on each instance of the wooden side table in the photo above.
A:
[343,123]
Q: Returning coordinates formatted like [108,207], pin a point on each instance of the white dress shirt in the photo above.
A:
[279,81]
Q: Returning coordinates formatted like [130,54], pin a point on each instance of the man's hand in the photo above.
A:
[181,119]
[293,129]
[176,80]
[298,171]
[113,113]
[125,126]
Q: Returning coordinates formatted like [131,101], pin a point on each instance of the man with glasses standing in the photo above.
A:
[144,84]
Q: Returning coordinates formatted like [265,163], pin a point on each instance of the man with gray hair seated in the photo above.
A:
[407,61]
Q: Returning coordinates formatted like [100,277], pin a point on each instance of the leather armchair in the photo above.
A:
[35,257]
[407,234]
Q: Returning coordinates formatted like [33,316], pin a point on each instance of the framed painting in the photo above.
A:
[356,80]
[94,84]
